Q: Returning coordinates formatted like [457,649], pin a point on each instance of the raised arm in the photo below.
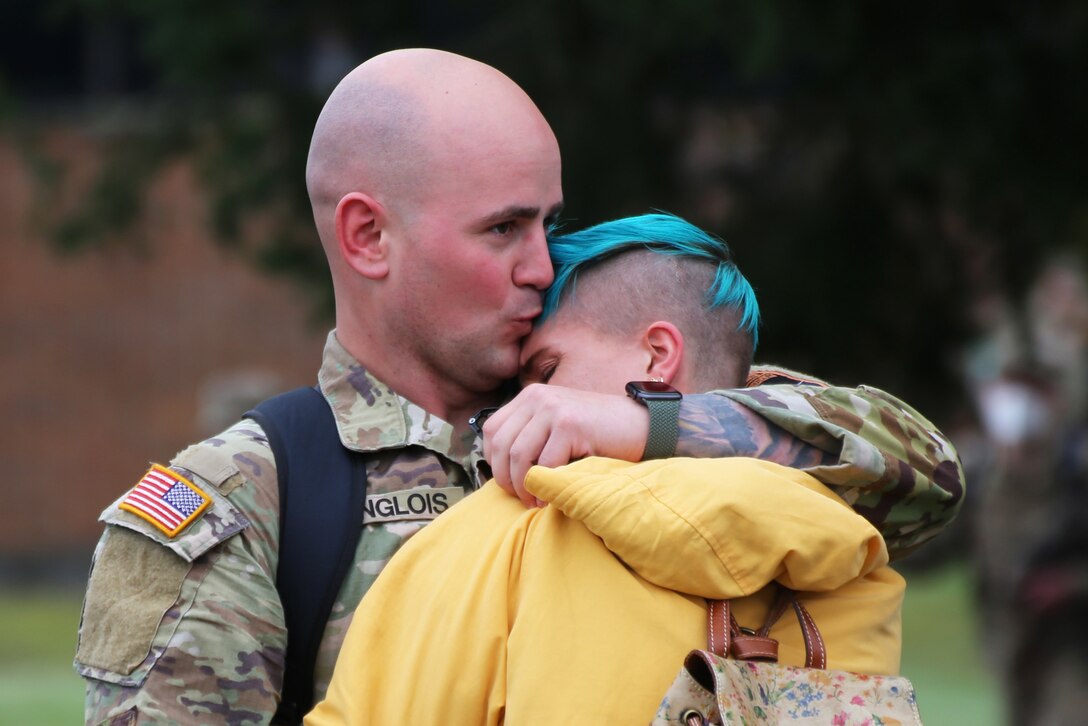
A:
[876,452]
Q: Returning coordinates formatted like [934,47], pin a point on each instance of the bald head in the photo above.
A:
[397,125]
[433,178]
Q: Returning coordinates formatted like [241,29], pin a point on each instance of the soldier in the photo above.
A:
[433,179]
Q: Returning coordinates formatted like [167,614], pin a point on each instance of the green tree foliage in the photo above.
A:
[874,165]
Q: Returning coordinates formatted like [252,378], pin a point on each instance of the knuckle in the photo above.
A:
[520,455]
[538,394]
[565,418]
[551,459]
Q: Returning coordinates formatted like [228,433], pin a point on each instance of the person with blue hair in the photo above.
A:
[640,269]
[665,234]
[582,610]
[653,281]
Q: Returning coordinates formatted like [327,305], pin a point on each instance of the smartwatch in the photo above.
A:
[663,403]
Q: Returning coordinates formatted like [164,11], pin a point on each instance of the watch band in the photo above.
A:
[664,428]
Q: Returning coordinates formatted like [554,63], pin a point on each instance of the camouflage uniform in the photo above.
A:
[884,458]
[190,630]
[203,640]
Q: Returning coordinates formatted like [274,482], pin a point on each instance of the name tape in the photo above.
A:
[418,503]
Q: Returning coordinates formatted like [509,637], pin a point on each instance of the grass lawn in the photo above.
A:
[37,641]
[940,655]
[941,651]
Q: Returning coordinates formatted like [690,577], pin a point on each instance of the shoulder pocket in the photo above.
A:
[134,583]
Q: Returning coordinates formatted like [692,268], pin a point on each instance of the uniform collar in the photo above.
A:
[372,417]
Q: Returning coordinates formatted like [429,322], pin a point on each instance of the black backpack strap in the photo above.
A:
[322,493]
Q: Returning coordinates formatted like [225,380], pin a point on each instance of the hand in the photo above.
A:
[553,425]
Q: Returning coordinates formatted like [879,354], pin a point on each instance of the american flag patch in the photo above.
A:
[166,499]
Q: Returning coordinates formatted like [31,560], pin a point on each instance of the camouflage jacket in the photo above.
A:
[884,458]
[189,629]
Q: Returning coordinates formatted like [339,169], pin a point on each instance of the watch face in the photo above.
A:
[652,390]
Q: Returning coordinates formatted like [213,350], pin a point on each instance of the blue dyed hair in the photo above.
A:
[666,234]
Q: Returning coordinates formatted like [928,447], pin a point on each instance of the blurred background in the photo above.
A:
[903,184]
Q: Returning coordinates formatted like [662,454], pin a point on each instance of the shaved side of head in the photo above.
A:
[623,294]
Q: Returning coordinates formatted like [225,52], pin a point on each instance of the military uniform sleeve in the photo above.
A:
[716,528]
[188,628]
[880,455]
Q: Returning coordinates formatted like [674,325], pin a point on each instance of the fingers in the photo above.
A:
[557,451]
[521,432]
[523,454]
[500,432]
[544,441]
[552,425]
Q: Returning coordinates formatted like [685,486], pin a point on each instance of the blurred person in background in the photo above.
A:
[1029,376]
[433,179]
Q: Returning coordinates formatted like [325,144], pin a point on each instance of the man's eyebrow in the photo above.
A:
[512,212]
[515,211]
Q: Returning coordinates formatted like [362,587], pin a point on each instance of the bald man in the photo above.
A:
[432,209]
[433,179]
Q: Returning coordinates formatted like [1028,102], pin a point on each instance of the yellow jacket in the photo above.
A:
[496,612]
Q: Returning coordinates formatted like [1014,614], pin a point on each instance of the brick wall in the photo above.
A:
[107,358]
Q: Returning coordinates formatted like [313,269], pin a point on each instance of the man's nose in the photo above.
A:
[535,267]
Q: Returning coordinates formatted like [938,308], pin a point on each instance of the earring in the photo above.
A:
[658,379]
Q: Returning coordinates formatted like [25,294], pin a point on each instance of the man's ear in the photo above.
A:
[665,343]
[360,233]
